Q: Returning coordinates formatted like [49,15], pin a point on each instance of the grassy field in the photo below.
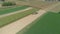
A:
[9,10]
[47,24]
[9,19]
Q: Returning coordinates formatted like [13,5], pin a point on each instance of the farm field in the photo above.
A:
[9,19]
[13,9]
[56,9]
[40,4]
[49,23]
[30,17]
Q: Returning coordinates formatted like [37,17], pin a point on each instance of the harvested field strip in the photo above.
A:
[40,4]
[47,24]
[9,10]
[56,9]
[9,19]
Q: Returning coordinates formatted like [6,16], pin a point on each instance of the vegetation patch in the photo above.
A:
[8,4]
[9,10]
[47,24]
[9,19]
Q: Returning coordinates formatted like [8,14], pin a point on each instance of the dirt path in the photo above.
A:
[15,12]
[16,26]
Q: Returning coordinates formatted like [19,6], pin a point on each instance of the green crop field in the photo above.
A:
[47,24]
[9,10]
[9,19]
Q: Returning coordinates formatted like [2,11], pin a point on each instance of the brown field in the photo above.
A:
[34,3]
[56,9]
[37,4]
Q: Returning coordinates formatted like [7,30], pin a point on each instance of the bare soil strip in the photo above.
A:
[16,26]
[52,7]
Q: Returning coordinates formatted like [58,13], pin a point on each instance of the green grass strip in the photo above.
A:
[9,10]
[9,19]
[47,24]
